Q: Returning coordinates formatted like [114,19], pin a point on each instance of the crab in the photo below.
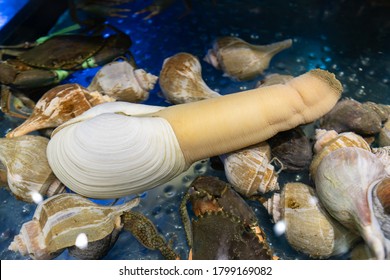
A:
[225,227]
[51,59]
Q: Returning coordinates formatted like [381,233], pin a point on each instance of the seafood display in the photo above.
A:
[225,226]
[139,129]
[240,60]
[115,81]
[287,158]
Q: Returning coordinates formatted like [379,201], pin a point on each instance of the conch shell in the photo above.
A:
[59,220]
[249,170]
[309,228]
[121,81]
[181,80]
[344,181]
[25,169]
[116,149]
[381,205]
[59,105]
[240,60]
[329,141]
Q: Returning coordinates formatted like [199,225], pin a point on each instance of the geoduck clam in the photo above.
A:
[116,149]
[241,60]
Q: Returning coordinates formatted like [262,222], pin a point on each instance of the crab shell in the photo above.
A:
[225,227]
[58,221]
[24,166]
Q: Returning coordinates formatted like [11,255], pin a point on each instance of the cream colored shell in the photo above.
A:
[181,80]
[249,170]
[60,219]
[123,150]
[240,60]
[344,181]
[25,168]
[309,228]
[121,81]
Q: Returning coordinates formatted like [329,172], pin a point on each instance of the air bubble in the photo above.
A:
[169,191]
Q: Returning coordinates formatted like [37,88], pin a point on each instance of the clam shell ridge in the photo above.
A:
[112,154]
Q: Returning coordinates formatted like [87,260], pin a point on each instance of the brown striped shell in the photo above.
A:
[329,141]
[59,105]
[59,220]
[249,170]
[25,169]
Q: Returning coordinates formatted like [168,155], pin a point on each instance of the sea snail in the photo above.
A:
[116,149]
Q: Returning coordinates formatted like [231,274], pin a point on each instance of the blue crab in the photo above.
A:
[225,226]
[51,59]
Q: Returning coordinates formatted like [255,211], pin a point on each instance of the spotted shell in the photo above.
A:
[249,170]
[59,220]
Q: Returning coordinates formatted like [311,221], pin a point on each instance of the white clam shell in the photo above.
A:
[344,181]
[124,152]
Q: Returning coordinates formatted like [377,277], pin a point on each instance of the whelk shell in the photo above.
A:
[181,80]
[59,220]
[344,181]
[116,149]
[123,82]
[249,170]
[309,228]
[329,141]
[240,60]
[59,105]
[25,168]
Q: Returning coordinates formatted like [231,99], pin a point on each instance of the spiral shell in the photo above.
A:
[25,168]
[57,106]
[249,170]
[121,81]
[351,115]
[181,80]
[309,228]
[329,141]
[59,220]
[240,60]
[344,181]
[383,153]
[381,205]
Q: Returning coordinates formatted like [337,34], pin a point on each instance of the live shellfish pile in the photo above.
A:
[286,158]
